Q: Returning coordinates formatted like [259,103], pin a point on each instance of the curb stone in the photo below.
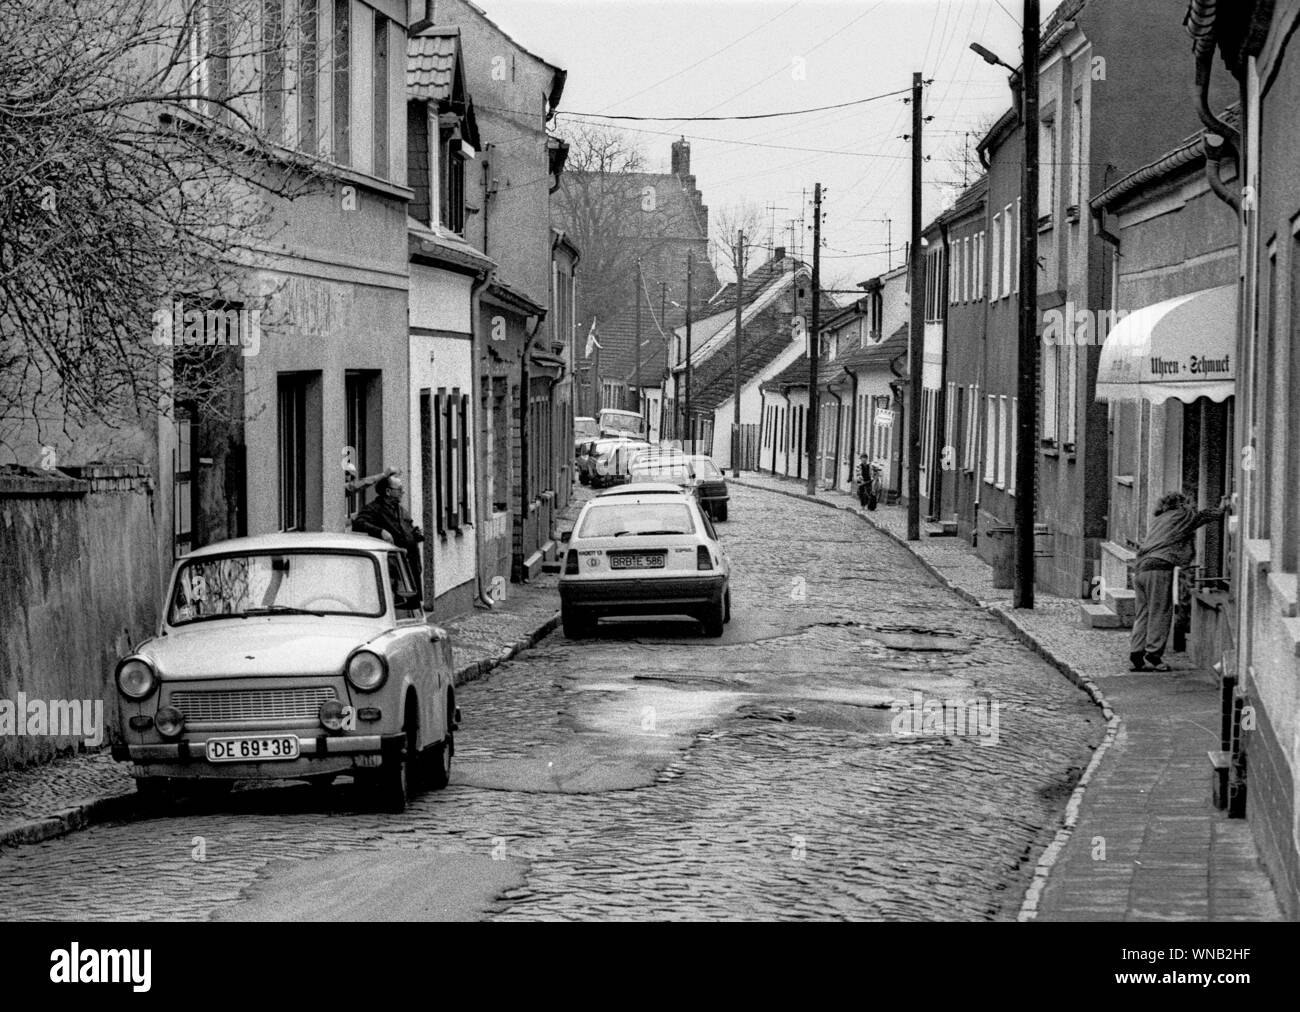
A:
[1047,860]
[125,806]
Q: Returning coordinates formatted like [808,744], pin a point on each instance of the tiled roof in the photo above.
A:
[755,281]
[431,64]
[878,355]
[617,339]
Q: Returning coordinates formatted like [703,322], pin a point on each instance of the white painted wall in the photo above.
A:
[440,300]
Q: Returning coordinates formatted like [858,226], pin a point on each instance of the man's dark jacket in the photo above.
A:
[385,514]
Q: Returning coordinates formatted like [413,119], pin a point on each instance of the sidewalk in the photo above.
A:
[41,802]
[1141,840]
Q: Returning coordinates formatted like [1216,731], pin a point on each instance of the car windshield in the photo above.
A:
[706,468]
[663,470]
[276,583]
[619,421]
[631,519]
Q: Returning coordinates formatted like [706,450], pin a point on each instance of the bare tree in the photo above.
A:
[138,167]
[746,217]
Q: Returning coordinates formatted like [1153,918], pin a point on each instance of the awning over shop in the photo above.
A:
[1185,348]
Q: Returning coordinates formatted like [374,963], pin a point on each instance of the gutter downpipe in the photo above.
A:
[482,596]
[853,424]
[1223,143]
[839,428]
[525,383]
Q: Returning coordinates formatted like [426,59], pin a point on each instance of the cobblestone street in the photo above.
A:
[651,773]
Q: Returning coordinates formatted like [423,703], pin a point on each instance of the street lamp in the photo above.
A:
[990,57]
[1027,324]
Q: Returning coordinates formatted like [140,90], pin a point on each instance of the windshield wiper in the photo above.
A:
[651,533]
[282,609]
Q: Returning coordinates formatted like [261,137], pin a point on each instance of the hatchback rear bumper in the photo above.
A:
[666,596]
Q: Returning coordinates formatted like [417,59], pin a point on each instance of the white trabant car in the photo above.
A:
[291,656]
[644,549]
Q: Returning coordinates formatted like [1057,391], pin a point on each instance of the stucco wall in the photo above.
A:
[78,582]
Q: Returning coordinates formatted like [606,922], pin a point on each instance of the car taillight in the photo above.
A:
[702,558]
[571,563]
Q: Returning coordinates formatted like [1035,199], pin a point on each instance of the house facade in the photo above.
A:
[507,186]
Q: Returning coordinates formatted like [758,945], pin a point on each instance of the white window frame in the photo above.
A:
[1051,388]
[1072,393]
[1076,150]
[995,259]
[990,439]
[972,427]
[1008,248]
[1015,271]
[1011,447]
[1001,480]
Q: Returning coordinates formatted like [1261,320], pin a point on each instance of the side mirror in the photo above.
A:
[566,535]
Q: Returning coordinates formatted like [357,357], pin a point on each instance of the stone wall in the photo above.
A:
[79,583]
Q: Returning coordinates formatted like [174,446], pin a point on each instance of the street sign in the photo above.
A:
[884,416]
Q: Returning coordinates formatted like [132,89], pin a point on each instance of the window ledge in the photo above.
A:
[1051,453]
[1045,223]
[1124,479]
[1283,586]
[1259,555]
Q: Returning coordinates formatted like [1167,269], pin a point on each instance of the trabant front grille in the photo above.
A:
[233,705]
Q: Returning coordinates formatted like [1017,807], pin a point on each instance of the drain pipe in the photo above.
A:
[1222,142]
[482,596]
[853,425]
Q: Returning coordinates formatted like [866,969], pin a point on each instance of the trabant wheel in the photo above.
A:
[439,762]
[714,618]
[577,623]
[720,512]
[396,783]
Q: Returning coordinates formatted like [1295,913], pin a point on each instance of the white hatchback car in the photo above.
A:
[644,549]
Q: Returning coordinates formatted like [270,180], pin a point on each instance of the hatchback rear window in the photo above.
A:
[632,519]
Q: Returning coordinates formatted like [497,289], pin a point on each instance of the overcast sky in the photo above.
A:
[738,57]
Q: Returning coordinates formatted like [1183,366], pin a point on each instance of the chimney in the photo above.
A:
[779,253]
[681,158]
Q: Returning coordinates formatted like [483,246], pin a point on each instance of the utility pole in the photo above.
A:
[814,343]
[639,409]
[690,423]
[916,335]
[1027,385]
[740,294]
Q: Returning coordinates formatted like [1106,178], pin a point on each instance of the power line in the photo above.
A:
[716,52]
[758,115]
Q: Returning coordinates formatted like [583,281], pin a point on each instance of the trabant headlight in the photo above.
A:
[366,670]
[136,678]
